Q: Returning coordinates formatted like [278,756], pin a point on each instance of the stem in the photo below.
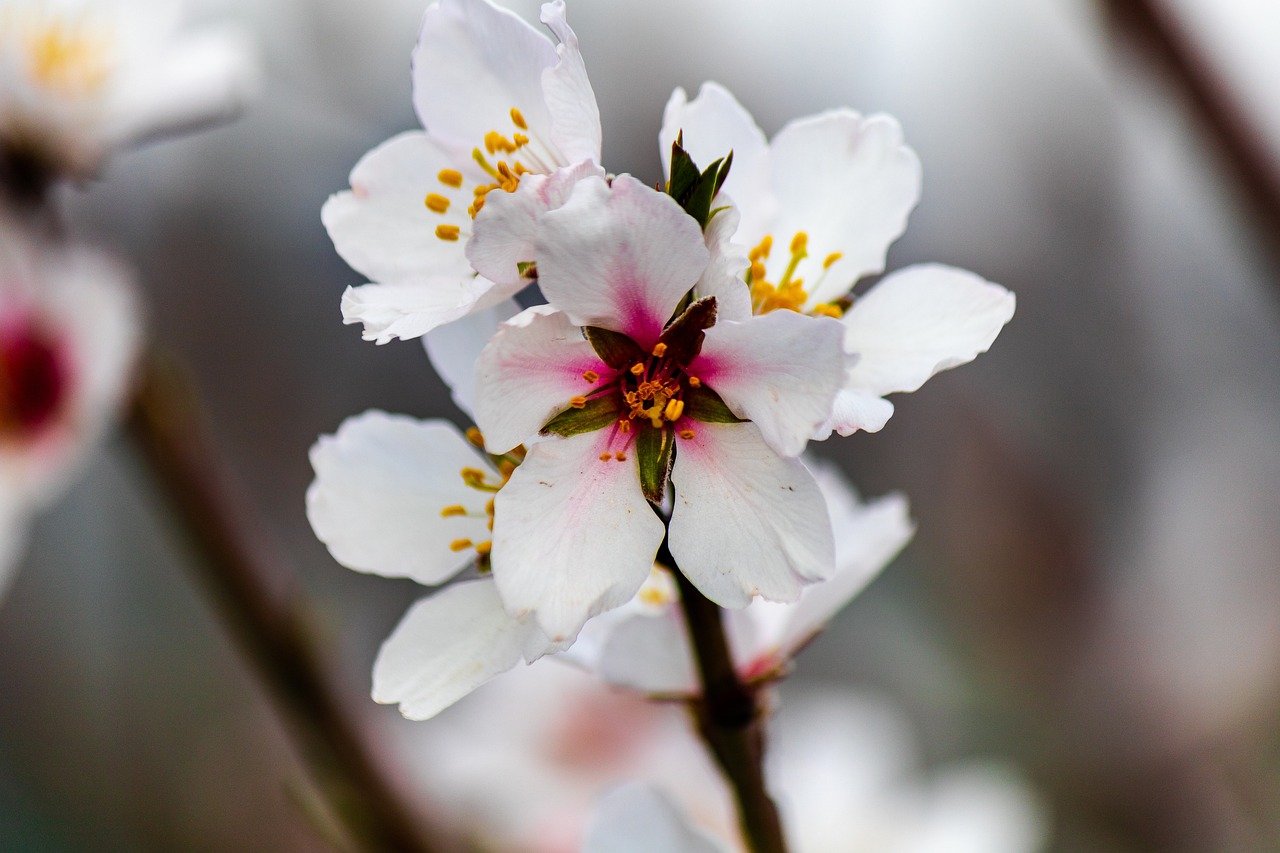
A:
[270,627]
[730,718]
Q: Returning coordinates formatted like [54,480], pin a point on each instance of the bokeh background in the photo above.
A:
[1094,591]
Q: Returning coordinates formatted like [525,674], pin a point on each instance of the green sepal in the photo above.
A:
[694,189]
[684,173]
[703,404]
[527,269]
[683,336]
[598,413]
[614,348]
[654,454]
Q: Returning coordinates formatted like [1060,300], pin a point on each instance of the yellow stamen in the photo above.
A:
[460,544]
[637,368]
[474,436]
[620,456]
[695,382]
[448,232]
[505,467]
[799,243]
[762,250]
[488,507]
[478,156]
[520,140]
[674,409]
[483,548]
[590,375]
[517,118]
[450,177]
[659,350]
[687,434]
[578,402]
[828,309]
[437,203]
[456,509]
[624,426]
[831,259]
[605,457]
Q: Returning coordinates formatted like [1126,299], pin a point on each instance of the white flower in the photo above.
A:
[511,123]
[819,206]
[68,335]
[844,767]
[81,78]
[648,394]
[649,650]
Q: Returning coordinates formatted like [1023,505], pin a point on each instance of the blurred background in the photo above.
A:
[1094,591]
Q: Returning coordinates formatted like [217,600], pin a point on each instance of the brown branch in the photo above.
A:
[270,628]
[729,717]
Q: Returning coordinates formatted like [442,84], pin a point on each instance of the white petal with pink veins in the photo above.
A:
[919,321]
[473,62]
[573,535]
[381,483]
[781,371]
[575,118]
[745,520]
[448,645]
[619,256]
[848,182]
[528,373]
[714,123]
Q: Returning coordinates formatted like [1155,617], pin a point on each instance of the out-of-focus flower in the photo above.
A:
[69,331]
[511,123]
[835,190]
[649,650]
[82,78]
[844,767]
[633,383]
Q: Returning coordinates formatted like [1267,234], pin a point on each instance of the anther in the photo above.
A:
[620,456]
[831,259]
[590,375]
[517,118]
[520,140]
[483,548]
[687,434]
[695,382]
[605,457]
[450,178]
[827,309]
[437,203]
[448,232]
[474,436]
[659,350]
[578,402]
[637,368]
[624,426]
[799,243]
[460,544]
[456,509]
[674,409]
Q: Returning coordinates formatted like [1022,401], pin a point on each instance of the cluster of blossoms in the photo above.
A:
[78,81]
[639,436]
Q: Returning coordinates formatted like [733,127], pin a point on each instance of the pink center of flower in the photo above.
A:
[34,378]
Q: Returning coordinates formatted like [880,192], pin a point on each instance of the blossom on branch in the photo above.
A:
[510,124]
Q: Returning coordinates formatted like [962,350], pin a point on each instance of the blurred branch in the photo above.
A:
[269,626]
[730,719]
[1151,26]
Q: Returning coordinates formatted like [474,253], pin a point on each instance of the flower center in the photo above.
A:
[482,481]
[789,293]
[34,379]
[68,56]
[503,170]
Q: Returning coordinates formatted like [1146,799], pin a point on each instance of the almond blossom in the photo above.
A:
[510,124]
[634,383]
[68,336]
[649,650]
[82,78]
[819,205]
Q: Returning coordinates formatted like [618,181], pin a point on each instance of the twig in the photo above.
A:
[729,717]
[270,628]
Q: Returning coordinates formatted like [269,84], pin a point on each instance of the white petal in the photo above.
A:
[724,276]
[455,348]
[781,371]
[528,373]
[919,321]
[651,654]
[638,819]
[506,228]
[473,63]
[855,410]
[446,646]
[619,256]
[573,535]
[714,123]
[407,311]
[746,521]
[848,182]
[382,226]
[575,118]
[380,485]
